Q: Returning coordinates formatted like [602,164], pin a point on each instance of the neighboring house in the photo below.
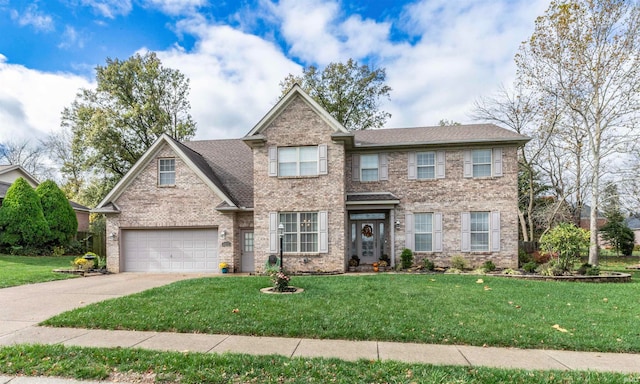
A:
[633,223]
[585,218]
[10,173]
[330,194]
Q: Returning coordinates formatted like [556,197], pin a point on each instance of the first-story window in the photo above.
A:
[479,229]
[300,232]
[166,171]
[423,232]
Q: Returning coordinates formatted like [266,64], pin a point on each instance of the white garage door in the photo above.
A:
[170,250]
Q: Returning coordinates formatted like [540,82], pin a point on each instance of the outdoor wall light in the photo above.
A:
[397,224]
[223,234]
[112,236]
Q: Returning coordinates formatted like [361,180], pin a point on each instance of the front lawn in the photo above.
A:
[135,365]
[440,309]
[18,270]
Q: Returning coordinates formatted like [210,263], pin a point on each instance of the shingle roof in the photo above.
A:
[456,134]
[374,196]
[229,165]
[633,222]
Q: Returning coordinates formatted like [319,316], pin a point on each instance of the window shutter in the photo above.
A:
[468,166]
[408,230]
[440,162]
[383,164]
[322,159]
[465,243]
[495,231]
[437,232]
[273,161]
[355,167]
[497,161]
[273,232]
[413,173]
[323,227]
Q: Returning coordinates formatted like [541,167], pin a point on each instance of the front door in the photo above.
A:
[247,264]
[368,240]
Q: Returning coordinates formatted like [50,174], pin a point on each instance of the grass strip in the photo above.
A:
[438,309]
[135,365]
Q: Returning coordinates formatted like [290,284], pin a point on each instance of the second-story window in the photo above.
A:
[166,172]
[481,162]
[297,161]
[369,167]
[426,165]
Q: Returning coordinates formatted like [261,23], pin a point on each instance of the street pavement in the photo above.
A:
[23,307]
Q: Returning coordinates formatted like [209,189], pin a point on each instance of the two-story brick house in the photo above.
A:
[328,193]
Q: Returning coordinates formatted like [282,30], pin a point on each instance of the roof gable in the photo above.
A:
[282,104]
[192,159]
[11,173]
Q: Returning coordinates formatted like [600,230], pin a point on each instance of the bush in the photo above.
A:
[488,266]
[21,217]
[588,270]
[453,271]
[541,257]
[407,258]
[565,240]
[552,268]
[58,251]
[530,267]
[524,257]
[459,262]
[428,264]
[60,216]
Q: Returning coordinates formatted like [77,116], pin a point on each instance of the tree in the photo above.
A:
[21,218]
[586,54]
[350,92]
[615,231]
[59,147]
[60,216]
[565,241]
[134,103]
[25,154]
[447,123]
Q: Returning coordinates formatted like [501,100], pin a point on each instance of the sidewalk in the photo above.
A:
[24,307]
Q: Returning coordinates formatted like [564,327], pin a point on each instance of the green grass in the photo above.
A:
[133,364]
[19,270]
[440,309]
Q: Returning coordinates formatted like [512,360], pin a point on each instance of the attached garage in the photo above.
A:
[170,250]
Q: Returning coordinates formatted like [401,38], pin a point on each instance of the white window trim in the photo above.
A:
[496,163]
[436,238]
[160,172]
[383,167]
[438,166]
[321,161]
[494,232]
[323,232]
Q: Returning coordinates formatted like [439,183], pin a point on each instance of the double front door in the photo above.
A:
[368,240]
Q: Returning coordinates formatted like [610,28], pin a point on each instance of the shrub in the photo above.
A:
[489,266]
[459,262]
[530,267]
[428,264]
[566,241]
[60,216]
[588,269]
[454,271]
[21,216]
[407,258]
[541,257]
[58,251]
[524,257]
[552,268]
[280,281]
[510,271]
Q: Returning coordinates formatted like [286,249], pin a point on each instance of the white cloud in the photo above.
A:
[31,101]
[176,7]
[234,77]
[71,39]
[33,17]
[109,8]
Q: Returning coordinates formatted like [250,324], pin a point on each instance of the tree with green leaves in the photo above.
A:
[586,55]
[565,241]
[134,103]
[22,222]
[58,213]
[615,231]
[350,92]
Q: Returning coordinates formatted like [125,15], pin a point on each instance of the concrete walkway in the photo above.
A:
[23,307]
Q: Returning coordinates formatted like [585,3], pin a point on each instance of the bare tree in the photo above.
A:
[586,53]
[26,154]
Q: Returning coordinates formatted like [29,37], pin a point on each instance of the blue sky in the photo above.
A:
[439,55]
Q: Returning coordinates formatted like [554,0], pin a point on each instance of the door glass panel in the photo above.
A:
[354,249]
[381,238]
[248,241]
[367,241]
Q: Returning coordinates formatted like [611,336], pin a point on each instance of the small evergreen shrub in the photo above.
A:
[428,264]
[58,251]
[459,262]
[21,217]
[552,268]
[524,257]
[530,267]
[407,258]
[489,266]
[588,270]
[57,211]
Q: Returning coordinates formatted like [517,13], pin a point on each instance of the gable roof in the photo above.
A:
[282,104]
[191,158]
[5,169]
[437,135]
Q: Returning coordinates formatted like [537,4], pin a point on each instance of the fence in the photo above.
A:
[93,242]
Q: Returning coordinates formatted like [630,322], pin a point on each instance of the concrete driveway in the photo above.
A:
[27,305]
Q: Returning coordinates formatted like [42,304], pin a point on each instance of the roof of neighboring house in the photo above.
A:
[585,213]
[438,135]
[11,167]
[633,222]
